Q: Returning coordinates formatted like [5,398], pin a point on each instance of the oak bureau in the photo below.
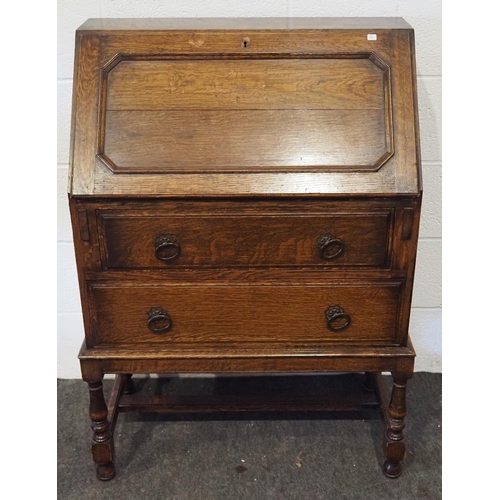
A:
[245,199]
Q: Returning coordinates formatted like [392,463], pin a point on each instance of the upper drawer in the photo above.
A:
[132,239]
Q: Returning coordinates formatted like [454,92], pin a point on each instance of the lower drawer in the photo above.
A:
[361,313]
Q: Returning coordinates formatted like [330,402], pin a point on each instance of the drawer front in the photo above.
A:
[141,240]
[364,313]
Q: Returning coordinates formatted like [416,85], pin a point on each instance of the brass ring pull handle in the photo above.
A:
[329,246]
[337,319]
[158,320]
[166,247]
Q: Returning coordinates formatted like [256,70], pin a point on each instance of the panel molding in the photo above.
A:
[112,63]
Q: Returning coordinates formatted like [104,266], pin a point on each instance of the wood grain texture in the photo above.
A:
[231,42]
[246,358]
[118,390]
[245,313]
[249,350]
[84,118]
[406,255]
[398,175]
[211,161]
[249,185]
[411,36]
[205,140]
[102,439]
[252,113]
[87,254]
[245,23]
[405,114]
[128,239]
[395,446]
[245,84]
[254,206]
[249,365]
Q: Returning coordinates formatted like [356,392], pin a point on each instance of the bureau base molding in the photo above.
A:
[95,363]
[250,361]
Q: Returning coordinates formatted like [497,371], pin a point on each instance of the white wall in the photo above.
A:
[424,16]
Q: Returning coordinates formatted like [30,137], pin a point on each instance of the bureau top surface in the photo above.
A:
[245,23]
[244,107]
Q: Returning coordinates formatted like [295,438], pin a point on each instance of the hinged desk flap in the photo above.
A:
[244,112]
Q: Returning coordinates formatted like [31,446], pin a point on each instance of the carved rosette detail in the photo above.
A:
[164,239]
[156,311]
[333,311]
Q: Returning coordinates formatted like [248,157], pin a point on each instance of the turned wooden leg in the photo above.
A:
[128,384]
[102,440]
[395,446]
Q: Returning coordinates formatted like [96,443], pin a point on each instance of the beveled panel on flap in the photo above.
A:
[188,113]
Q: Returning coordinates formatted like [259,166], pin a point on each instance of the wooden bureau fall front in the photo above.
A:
[245,199]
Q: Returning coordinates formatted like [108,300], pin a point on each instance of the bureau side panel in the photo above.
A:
[406,230]
[84,114]
[86,246]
